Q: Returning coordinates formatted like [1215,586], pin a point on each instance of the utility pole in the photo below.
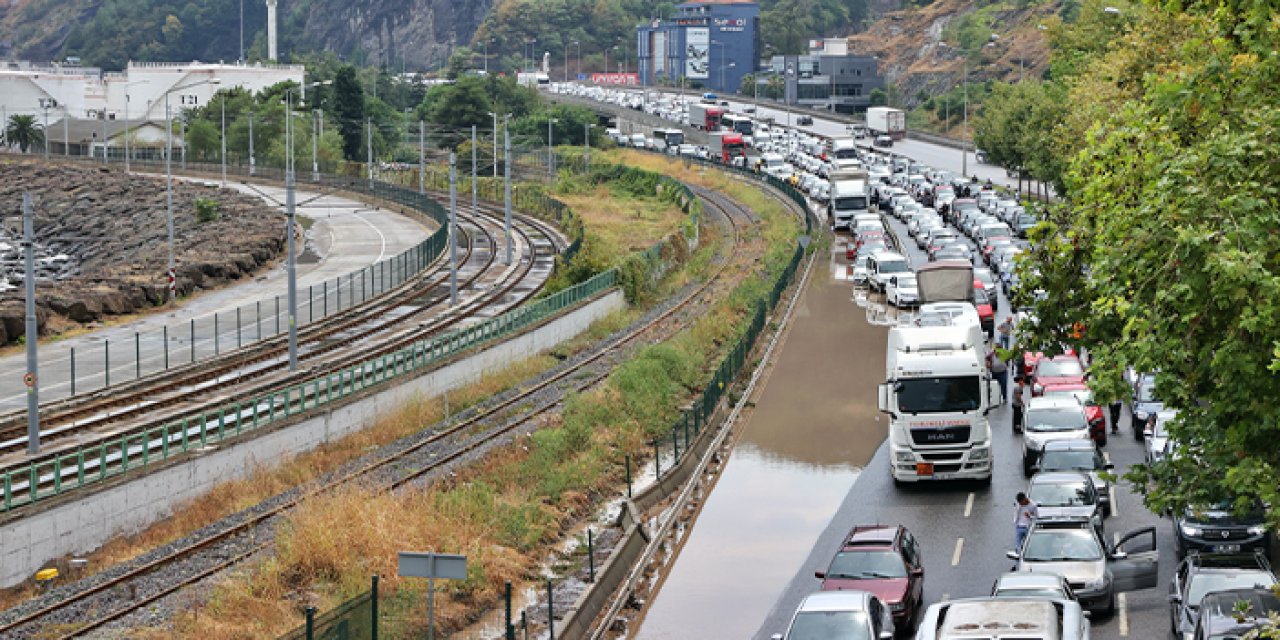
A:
[168,199]
[551,149]
[315,145]
[587,141]
[66,134]
[241,31]
[33,330]
[506,169]
[475,202]
[495,142]
[224,141]
[290,200]
[369,153]
[453,229]
[422,157]
[964,144]
[182,135]
[253,162]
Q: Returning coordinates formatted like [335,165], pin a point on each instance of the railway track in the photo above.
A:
[113,596]
[375,329]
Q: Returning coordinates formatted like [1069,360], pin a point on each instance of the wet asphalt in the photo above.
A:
[965,529]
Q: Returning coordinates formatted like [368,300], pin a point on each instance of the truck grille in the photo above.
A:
[941,436]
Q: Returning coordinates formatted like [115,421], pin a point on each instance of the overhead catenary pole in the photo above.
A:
[66,134]
[453,228]
[506,169]
[172,273]
[315,145]
[475,202]
[964,148]
[224,141]
[422,157]
[32,328]
[495,142]
[586,141]
[290,198]
[253,161]
[369,150]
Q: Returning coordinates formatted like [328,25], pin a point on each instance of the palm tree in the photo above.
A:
[23,132]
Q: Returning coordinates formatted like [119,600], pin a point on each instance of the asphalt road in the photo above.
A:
[965,529]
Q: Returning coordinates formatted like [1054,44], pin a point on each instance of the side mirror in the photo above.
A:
[821,575]
[1109,465]
[1147,433]
[1087,614]
[776,636]
[1012,555]
[1117,554]
[917,572]
[886,635]
[993,392]
[1175,598]
[884,391]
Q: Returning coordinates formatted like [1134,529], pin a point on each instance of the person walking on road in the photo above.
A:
[1000,371]
[1004,332]
[1017,403]
[1027,511]
[1115,417]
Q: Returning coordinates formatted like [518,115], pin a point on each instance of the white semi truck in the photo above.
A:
[887,121]
[850,196]
[938,393]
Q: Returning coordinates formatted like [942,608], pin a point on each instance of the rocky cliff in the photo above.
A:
[103,246]
[417,33]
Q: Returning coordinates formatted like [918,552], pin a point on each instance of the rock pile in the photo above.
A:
[102,241]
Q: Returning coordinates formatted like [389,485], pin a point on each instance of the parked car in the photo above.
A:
[884,560]
[1080,456]
[1155,437]
[1047,419]
[839,614]
[1143,403]
[1221,615]
[1096,571]
[1032,585]
[1066,494]
[1222,528]
[1198,576]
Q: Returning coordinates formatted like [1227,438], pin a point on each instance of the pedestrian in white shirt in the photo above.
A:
[1027,511]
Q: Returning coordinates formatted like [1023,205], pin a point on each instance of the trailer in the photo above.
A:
[886,121]
[705,117]
[726,146]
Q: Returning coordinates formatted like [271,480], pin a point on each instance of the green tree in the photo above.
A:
[458,107]
[22,132]
[348,111]
[1165,244]
[879,97]
[204,139]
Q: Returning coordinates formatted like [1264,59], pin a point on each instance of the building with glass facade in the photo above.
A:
[707,43]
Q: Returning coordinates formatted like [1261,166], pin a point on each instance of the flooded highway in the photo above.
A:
[814,426]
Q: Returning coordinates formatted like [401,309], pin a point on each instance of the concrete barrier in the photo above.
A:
[83,522]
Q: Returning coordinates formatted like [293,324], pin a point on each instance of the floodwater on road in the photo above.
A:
[815,424]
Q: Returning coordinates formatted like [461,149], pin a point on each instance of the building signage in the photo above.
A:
[697,58]
[628,79]
[731,24]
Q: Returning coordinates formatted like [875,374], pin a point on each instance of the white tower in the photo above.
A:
[271,31]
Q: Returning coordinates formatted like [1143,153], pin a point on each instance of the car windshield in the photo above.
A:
[824,625]
[860,565]
[893,266]
[1029,593]
[1061,545]
[984,276]
[906,282]
[1083,395]
[1069,461]
[1061,494]
[1047,420]
[1209,582]
[939,395]
[1063,368]
[980,296]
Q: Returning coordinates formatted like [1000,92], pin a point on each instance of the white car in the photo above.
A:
[902,291]
[840,614]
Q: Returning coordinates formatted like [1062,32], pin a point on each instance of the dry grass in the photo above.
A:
[624,225]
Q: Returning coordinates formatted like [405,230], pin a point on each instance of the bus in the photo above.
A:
[737,123]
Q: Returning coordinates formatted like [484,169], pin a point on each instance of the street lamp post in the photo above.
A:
[578,45]
[223,103]
[253,161]
[722,68]
[168,186]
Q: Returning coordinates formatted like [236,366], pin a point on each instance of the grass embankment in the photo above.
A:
[504,512]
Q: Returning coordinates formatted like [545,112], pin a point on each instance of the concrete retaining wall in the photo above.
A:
[85,523]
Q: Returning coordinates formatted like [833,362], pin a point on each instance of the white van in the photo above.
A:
[883,266]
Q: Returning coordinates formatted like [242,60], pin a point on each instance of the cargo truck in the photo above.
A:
[704,116]
[726,146]
[850,196]
[887,121]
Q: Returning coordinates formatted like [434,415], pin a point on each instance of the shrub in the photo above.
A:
[206,210]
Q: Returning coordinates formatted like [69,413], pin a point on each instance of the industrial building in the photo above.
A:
[707,43]
[828,78]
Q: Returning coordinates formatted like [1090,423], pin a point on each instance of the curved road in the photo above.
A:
[346,236]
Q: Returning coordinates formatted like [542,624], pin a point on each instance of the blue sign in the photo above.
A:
[582,77]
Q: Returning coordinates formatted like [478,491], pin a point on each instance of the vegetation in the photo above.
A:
[21,131]
[1159,126]
[206,209]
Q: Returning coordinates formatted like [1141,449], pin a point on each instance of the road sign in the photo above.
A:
[29,379]
[432,566]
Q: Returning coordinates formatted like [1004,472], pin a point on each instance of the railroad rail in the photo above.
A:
[110,599]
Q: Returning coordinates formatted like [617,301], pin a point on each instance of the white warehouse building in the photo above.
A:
[136,94]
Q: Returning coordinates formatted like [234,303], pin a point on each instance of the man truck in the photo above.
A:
[850,196]
[887,121]
[726,147]
[938,390]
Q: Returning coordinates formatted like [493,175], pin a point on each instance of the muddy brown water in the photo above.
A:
[815,424]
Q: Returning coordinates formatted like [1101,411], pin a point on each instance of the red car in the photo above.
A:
[1092,412]
[1059,370]
[986,313]
[883,560]
[851,249]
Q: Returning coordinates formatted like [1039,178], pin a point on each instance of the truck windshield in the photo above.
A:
[846,154]
[892,266]
[851,203]
[939,395]
[675,138]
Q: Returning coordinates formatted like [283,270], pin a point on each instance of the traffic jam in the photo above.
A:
[995,508]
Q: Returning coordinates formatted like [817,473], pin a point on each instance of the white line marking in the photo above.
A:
[955,557]
[1123,604]
[1115,501]
[968,505]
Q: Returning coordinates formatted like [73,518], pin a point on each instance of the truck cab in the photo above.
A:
[938,393]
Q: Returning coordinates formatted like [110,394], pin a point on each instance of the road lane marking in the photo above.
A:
[1123,603]
[1115,500]
[955,557]
[968,505]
